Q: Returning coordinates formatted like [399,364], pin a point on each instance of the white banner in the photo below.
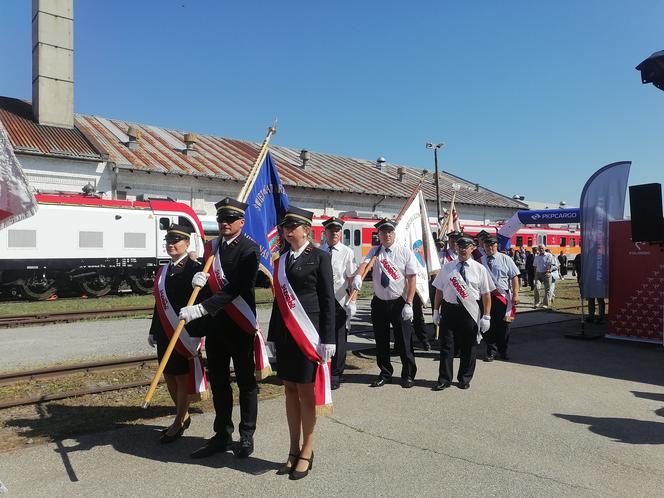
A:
[16,199]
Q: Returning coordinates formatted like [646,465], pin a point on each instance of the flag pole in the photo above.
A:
[251,178]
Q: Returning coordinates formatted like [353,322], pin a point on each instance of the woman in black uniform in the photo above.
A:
[309,273]
[180,270]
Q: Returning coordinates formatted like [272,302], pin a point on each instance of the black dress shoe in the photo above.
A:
[296,474]
[441,385]
[186,425]
[246,447]
[213,445]
[464,385]
[489,358]
[165,438]
[286,469]
[380,382]
[335,385]
[407,383]
[426,345]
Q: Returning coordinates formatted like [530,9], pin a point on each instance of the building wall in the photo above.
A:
[66,175]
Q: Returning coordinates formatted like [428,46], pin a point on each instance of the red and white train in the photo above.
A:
[91,244]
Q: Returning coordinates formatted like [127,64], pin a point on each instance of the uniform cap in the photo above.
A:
[178,232]
[333,222]
[297,216]
[465,241]
[386,224]
[483,233]
[230,207]
[491,240]
[453,235]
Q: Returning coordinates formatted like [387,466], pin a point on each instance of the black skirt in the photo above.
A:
[177,364]
[292,365]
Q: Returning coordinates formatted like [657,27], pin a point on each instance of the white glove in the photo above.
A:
[200,279]
[357,283]
[407,312]
[151,342]
[485,323]
[436,317]
[189,313]
[326,351]
[351,309]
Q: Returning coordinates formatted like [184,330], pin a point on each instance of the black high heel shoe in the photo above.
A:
[166,439]
[295,474]
[285,469]
[186,425]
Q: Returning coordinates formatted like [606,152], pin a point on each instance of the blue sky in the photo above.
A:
[529,97]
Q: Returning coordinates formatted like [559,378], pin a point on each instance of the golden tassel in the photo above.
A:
[264,373]
[324,410]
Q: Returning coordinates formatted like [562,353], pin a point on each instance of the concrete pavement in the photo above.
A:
[564,418]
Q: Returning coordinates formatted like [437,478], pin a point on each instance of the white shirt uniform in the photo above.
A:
[404,260]
[343,267]
[503,269]
[477,277]
[544,262]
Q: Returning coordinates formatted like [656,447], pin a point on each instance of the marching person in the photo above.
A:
[506,277]
[449,253]
[230,289]
[343,269]
[394,273]
[172,290]
[460,287]
[302,330]
[544,263]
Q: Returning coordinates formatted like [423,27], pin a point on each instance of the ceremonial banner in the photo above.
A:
[413,232]
[16,201]
[602,201]
[267,202]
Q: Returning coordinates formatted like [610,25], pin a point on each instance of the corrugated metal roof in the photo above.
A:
[159,150]
[29,137]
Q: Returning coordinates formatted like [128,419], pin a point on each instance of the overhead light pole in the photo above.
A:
[435,148]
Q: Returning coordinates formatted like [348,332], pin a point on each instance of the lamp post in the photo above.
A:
[435,148]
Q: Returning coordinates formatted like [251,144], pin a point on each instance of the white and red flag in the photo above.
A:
[16,200]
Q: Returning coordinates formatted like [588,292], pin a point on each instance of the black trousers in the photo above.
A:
[457,329]
[221,346]
[498,335]
[384,314]
[340,337]
[418,319]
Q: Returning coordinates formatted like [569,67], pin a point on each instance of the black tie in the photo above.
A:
[489,261]
[330,249]
[224,245]
[384,279]
[291,260]
[462,270]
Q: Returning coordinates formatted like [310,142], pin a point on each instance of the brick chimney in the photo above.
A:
[53,62]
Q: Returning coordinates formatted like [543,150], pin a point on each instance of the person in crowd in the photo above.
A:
[594,304]
[530,268]
[302,328]
[463,288]
[520,262]
[394,274]
[555,274]
[343,270]
[506,278]
[448,250]
[544,263]
[562,264]
[172,289]
[229,290]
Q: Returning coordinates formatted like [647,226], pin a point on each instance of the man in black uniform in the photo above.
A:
[239,258]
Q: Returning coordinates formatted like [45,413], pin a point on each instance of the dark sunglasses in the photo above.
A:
[227,219]
[174,240]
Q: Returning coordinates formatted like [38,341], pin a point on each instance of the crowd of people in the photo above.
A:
[474,298]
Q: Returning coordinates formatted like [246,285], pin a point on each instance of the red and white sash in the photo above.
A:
[305,335]
[187,346]
[505,298]
[387,266]
[468,298]
[240,312]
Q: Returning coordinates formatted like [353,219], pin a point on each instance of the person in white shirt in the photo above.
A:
[460,286]
[343,269]
[394,273]
[544,264]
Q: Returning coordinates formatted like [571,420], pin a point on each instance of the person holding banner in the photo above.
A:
[460,286]
[504,298]
[343,269]
[231,328]
[302,330]
[394,276]
[184,374]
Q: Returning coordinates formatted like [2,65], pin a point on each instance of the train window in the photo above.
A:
[357,237]
[519,240]
[164,223]
[22,238]
[530,242]
[563,241]
[347,237]
[133,240]
[374,239]
[91,239]
[572,242]
[185,222]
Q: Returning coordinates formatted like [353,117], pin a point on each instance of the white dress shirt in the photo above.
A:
[404,260]
[343,267]
[296,254]
[544,262]
[477,277]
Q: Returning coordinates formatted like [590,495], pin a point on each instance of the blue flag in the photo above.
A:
[267,202]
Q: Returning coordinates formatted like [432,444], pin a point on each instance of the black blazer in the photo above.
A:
[178,291]
[240,262]
[311,279]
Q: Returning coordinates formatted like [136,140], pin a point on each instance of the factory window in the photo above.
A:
[134,240]
[22,238]
[347,237]
[357,238]
[91,239]
[121,195]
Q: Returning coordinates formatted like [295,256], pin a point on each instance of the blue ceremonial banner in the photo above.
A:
[602,201]
[549,216]
[267,202]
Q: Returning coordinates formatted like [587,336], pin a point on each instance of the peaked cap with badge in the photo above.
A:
[387,224]
[333,222]
[229,207]
[297,216]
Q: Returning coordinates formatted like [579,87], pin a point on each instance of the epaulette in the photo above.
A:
[235,242]
[307,249]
